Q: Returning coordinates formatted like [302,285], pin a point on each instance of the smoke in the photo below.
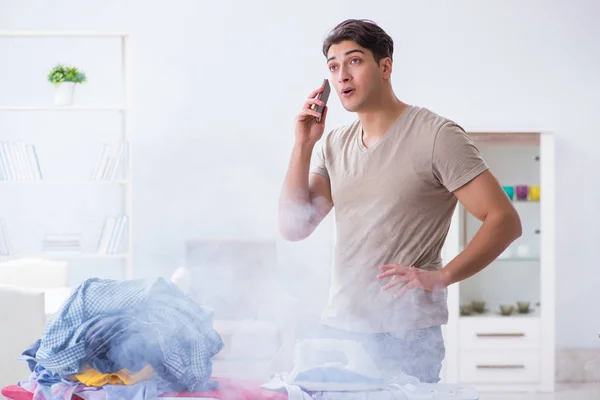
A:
[296,218]
[593,369]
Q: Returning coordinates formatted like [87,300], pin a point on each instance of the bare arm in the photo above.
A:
[305,198]
[484,198]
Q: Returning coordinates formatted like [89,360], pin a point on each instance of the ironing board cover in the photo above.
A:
[229,389]
[14,392]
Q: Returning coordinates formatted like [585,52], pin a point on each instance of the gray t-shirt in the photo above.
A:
[393,204]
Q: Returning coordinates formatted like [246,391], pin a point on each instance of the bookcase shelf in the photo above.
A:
[63,108]
[64,182]
[20,168]
[66,255]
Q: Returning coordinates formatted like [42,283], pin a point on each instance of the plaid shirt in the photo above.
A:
[187,339]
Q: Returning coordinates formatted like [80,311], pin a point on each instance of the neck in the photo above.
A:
[380,115]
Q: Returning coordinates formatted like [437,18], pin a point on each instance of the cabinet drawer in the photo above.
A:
[516,366]
[499,333]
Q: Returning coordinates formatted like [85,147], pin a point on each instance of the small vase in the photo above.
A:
[522,192]
[510,192]
[63,94]
[534,193]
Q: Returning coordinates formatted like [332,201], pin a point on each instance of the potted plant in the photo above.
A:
[65,78]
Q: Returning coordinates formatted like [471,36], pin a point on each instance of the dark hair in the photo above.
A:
[365,33]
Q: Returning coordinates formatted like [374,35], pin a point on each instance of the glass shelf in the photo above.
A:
[535,313]
[518,260]
[526,201]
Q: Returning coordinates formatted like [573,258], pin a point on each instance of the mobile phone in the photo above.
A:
[323,96]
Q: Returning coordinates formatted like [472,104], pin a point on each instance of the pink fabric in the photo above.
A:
[229,389]
[15,392]
[235,389]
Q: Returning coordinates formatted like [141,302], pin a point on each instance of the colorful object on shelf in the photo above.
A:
[507,309]
[510,191]
[522,192]
[478,306]
[523,307]
[534,193]
[466,309]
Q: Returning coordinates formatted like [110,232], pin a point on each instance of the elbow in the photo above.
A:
[291,234]
[507,224]
[292,229]
[294,222]
[516,227]
[292,237]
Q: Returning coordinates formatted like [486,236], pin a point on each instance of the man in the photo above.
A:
[394,176]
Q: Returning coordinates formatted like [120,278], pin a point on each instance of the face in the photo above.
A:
[355,75]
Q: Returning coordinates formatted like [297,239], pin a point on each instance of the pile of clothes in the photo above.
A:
[134,339]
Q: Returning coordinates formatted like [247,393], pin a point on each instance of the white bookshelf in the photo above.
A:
[64,256]
[64,34]
[123,108]
[514,352]
[64,182]
[63,109]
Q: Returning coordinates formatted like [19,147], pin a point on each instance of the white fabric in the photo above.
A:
[439,391]
[409,391]
[350,356]
[387,394]
[95,395]
[345,355]
[295,392]
[186,398]
[429,391]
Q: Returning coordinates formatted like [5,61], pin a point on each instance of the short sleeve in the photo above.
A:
[456,159]
[317,162]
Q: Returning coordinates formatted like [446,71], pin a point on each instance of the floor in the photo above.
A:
[587,391]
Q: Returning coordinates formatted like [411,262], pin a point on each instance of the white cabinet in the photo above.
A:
[500,367]
[499,334]
[514,350]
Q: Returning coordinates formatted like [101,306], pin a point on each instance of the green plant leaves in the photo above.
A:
[61,73]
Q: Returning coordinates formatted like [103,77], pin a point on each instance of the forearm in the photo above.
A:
[493,237]
[295,204]
[295,186]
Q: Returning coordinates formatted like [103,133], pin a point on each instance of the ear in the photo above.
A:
[385,66]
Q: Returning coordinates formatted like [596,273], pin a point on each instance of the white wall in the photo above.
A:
[217,87]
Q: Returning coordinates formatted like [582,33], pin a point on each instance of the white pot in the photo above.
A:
[63,94]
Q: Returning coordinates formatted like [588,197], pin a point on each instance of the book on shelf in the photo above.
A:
[19,161]
[112,234]
[62,243]
[110,161]
[5,247]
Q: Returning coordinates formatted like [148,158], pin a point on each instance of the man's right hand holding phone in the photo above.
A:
[308,130]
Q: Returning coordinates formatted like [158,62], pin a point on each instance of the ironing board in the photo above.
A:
[228,389]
